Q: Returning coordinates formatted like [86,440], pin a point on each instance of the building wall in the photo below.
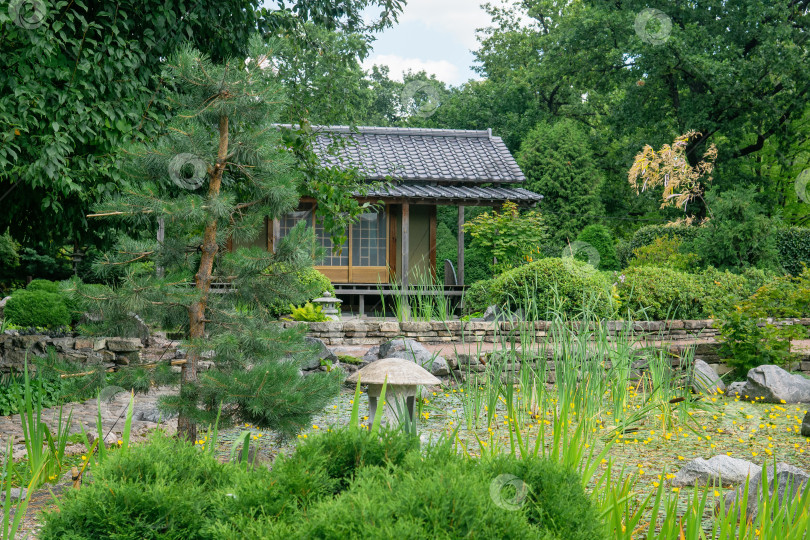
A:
[419,253]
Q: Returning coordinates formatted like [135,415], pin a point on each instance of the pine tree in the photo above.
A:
[212,178]
[559,164]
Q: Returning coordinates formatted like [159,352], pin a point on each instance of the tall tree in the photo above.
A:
[80,79]
[212,175]
[559,164]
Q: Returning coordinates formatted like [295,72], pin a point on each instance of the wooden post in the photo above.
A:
[276,233]
[406,245]
[460,262]
[432,240]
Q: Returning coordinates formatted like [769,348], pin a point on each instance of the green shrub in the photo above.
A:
[666,252]
[43,285]
[601,239]
[647,235]
[623,252]
[478,296]
[309,312]
[722,290]
[657,293]
[37,308]
[565,285]
[739,235]
[782,297]
[164,489]
[793,244]
[340,484]
[746,342]
[308,285]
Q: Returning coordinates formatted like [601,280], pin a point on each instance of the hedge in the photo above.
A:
[549,285]
[36,308]
[793,243]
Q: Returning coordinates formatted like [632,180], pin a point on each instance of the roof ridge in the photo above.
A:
[405,131]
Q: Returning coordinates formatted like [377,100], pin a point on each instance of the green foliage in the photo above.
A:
[564,285]
[793,244]
[37,308]
[739,235]
[304,285]
[164,489]
[43,285]
[9,256]
[348,483]
[782,297]
[11,390]
[307,313]
[559,164]
[659,293]
[648,234]
[748,342]
[664,251]
[601,239]
[508,236]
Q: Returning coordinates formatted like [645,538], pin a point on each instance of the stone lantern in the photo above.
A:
[402,378]
[329,305]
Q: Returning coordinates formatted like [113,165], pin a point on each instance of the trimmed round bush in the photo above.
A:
[36,308]
[601,239]
[552,285]
[43,285]
[656,293]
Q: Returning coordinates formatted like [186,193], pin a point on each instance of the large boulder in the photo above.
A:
[785,481]
[322,353]
[408,349]
[735,389]
[705,379]
[772,384]
[718,470]
[806,425]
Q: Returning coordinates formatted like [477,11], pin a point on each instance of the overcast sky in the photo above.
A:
[434,35]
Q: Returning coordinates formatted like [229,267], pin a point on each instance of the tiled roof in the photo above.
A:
[421,155]
[457,194]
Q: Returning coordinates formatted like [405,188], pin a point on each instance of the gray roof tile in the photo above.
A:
[416,154]
[457,194]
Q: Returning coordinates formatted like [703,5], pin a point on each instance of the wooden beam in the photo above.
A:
[406,246]
[460,261]
[392,244]
[432,239]
[276,233]
[268,233]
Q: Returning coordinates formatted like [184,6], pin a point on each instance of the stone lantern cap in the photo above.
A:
[400,373]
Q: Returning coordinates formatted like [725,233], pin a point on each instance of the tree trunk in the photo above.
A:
[186,428]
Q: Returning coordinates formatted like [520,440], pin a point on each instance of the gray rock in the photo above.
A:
[716,470]
[3,305]
[496,313]
[806,425]
[735,388]
[17,494]
[121,345]
[772,384]
[408,349]
[152,414]
[785,481]
[372,354]
[705,379]
[322,352]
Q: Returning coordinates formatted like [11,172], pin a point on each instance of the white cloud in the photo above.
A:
[444,70]
[457,17]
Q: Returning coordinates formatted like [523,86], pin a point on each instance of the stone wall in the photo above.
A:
[110,352]
[375,332]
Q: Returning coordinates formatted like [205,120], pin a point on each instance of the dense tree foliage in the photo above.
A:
[559,164]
